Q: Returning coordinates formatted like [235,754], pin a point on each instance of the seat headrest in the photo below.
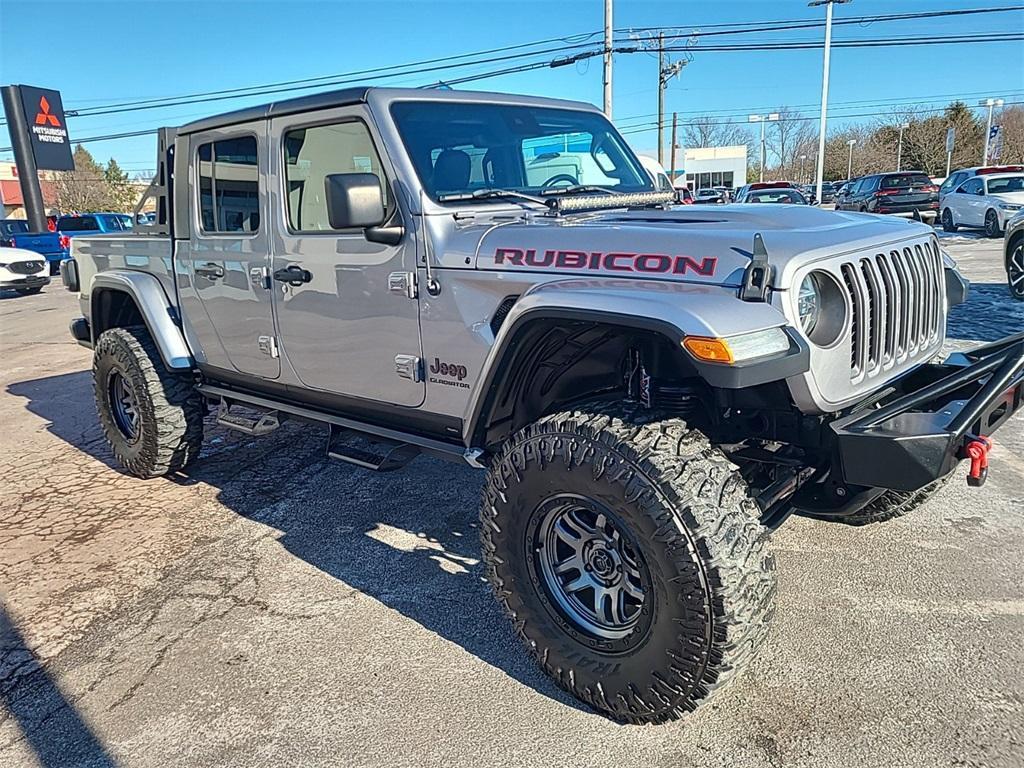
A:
[451,170]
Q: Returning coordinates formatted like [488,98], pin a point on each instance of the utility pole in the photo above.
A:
[824,89]
[608,59]
[990,103]
[661,98]
[672,154]
[899,147]
[762,119]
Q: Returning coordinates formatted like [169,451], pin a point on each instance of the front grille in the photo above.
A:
[897,306]
[25,267]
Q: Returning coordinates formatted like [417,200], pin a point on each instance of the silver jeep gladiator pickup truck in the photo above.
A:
[491,279]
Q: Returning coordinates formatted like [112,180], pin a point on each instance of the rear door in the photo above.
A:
[347,327]
[971,202]
[224,292]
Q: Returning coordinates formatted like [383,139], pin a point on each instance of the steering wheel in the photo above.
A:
[560,178]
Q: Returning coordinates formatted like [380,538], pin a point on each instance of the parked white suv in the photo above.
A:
[985,201]
[23,271]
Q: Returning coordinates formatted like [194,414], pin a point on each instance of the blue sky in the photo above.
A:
[99,53]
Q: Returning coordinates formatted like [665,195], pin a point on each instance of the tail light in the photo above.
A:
[65,242]
[930,188]
[887,192]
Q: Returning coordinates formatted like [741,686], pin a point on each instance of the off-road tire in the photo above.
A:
[686,507]
[29,291]
[890,505]
[947,221]
[170,411]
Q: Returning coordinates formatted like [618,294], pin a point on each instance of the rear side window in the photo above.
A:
[313,154]
[228,178]
[78,224]
[13,227]
[905,181]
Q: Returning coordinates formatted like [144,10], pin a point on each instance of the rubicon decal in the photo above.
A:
[613,261]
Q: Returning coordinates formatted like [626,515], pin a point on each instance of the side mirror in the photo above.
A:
[354,200]
[980,192]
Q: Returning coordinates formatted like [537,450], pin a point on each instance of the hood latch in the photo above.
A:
[757,277]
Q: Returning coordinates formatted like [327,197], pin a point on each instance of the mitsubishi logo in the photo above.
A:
[44,116]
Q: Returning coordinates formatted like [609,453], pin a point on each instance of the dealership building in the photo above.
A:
[714,167]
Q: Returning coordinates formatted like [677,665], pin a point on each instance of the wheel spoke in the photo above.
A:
[571,530]
[570,563]
[580,582]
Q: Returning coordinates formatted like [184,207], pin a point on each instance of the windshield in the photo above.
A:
[461,148]
[116,222]
[1006,184]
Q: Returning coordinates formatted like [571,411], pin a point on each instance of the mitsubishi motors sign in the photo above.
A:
[48,133]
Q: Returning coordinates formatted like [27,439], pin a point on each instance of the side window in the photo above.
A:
[228,177]
[950,184]
[313,154]
[971,186]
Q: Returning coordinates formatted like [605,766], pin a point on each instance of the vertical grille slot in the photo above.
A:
[896,306]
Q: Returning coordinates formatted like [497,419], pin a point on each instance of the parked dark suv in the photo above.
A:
[907,193]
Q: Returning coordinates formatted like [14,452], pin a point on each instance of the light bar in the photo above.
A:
[624,200]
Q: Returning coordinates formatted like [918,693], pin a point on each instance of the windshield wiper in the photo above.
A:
[579,188]
[482,194]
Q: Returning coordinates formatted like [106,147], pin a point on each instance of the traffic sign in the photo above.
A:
[950,139]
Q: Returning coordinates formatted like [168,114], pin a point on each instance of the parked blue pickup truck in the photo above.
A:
[56,246]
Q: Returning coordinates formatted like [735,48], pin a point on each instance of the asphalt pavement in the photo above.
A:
[270,607]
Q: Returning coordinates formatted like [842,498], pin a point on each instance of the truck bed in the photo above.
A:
[139,253]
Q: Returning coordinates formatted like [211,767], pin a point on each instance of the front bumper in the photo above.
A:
[929,419]
[28,281]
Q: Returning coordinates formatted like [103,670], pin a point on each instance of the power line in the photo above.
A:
[450,62]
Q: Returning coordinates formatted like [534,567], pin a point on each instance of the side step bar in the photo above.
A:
[395,456]
[267,422]
[339,425]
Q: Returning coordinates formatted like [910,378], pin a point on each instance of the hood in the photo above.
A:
[704,245]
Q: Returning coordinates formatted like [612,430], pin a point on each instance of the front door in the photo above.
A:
[347,318]
[225,295]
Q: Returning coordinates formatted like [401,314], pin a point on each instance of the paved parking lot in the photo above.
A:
[273,608]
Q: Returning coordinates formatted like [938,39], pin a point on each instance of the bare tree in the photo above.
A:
[791,133]
[710,131]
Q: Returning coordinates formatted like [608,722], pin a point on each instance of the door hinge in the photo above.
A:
[409,367]
[404,283]
[259,277]
[268,345]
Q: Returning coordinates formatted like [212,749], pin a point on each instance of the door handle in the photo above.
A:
[210,271]
[293,275]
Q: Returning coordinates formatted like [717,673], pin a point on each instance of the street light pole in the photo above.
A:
[608,59]
[849,164]
[899,148]
[990,103]
[824,88]
[802,158]
[762,119]
[661,98]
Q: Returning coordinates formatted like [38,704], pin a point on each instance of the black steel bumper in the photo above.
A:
[932,418]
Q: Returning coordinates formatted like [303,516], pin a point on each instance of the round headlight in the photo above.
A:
[809,304]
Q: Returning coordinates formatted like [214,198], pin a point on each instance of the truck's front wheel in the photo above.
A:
[630,558]
[152,418]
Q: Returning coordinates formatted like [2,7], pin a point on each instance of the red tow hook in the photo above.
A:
[976,450]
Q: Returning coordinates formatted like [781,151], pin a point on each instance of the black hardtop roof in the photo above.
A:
[314,101]
[360,95]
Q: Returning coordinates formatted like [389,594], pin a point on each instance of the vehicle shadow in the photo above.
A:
[51,725]
[989,314]
[408,539]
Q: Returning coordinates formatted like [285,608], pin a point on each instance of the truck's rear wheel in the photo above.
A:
[152,418]
[630,558]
